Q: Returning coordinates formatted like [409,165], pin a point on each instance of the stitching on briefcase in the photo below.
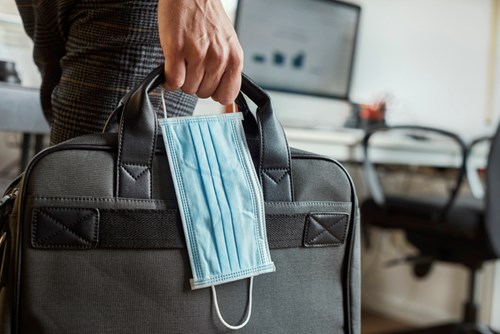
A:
[272,178]
[43,243]
[135,177]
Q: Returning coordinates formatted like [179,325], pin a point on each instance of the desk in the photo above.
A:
[388,148]
[20,111]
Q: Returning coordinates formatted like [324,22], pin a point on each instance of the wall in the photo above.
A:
[15,45]
[496,85]
[431,56]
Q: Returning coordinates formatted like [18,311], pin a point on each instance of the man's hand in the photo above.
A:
[202,53]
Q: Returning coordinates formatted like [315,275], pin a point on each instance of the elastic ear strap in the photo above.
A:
[249,308]
[164,106]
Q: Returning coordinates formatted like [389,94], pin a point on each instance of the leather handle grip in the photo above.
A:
[137,140]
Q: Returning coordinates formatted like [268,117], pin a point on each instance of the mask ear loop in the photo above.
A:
[164,106]
[249,308]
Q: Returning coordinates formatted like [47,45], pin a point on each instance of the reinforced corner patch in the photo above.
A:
[325,229]
[76,228]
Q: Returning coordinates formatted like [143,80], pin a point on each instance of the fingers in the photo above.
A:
[195,55]
[216,75]
[229,88]
[175,72]
[215,67]
[222,79]
[230,82]
[194,76]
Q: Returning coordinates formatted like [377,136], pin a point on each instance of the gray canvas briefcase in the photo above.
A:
[92,241]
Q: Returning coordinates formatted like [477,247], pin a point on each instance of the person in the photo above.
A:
[90,53]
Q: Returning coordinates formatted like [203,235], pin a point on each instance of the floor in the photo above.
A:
[373,323]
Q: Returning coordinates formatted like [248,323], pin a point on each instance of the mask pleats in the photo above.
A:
[213,227]
[238,193]
[223,227]
[219,197]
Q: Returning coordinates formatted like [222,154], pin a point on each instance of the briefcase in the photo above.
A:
[92,240]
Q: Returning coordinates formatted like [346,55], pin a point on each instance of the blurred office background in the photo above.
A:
[422,62]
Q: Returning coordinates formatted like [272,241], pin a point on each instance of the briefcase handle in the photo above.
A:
[137,135]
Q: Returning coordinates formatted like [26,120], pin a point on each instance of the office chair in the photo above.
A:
[474,180]
[454,229]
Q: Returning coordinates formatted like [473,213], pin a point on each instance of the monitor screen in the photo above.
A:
[299,46]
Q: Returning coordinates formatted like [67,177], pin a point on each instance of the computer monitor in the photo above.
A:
[299,46]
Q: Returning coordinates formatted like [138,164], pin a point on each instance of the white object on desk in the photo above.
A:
[340,145]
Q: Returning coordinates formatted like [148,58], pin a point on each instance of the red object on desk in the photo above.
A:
[373,112]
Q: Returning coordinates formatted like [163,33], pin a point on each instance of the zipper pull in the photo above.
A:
[6,200]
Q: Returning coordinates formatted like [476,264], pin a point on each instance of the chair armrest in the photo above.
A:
[374,186]
[473,178]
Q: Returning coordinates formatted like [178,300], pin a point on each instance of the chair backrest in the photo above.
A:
[477,160]
[412,145]
[493,194]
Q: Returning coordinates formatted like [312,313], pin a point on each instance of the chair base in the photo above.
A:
[452,328]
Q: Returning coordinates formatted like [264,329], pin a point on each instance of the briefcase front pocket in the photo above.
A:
[90,256]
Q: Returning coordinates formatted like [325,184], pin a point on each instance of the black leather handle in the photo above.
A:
[274,164]
[138,131]
[137,141]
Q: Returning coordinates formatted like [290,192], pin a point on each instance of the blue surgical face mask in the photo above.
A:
[220,200]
